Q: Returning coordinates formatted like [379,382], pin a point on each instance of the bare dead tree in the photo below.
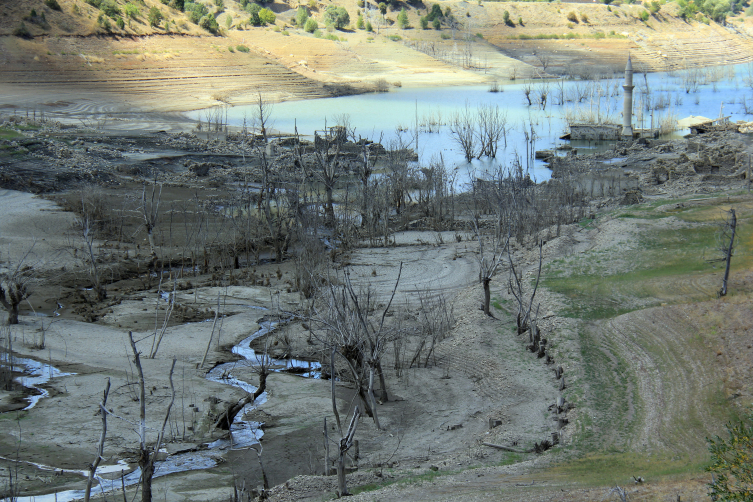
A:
[15,285]
[90,255]
[528,91]
[463,131]
[492,127]
[262,115]
[544,60]
[728,235]
[159,331]
[436,319]
[150,211]
[525,305]
[350,325]
[101,445]
[327,149]
[345,444]
[489,259]
[369,155]
[147,455]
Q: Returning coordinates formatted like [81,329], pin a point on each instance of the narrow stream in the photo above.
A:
[242,433]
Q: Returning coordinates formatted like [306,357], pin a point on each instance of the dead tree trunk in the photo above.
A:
[226,419]
[345,444]
[147,456]
[730,227]
[100,448]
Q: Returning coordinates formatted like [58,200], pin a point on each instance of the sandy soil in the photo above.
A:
[467,386]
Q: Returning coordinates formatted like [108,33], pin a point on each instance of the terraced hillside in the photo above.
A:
[175,65]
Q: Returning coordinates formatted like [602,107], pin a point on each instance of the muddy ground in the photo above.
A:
[436,417]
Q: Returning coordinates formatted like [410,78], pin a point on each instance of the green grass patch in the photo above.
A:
[618,469]
[663,256]
[9,133]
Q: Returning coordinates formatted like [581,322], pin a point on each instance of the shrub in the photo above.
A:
[154,17]
[231,49]
[444,36]
[229,21]
[436,24]
[435,12]
[22,31]
[520,21]
[572,17]
[209,23]
[104,22]
[131,10]
[94,3]
[395,38]
[242,48]
[360,23]
[318,33]
[654,7]
[254,10]
[120,23]
[177,4]
[336,16]
[369,28]
[383,8]
[361,4]
[311,25]
[731,464]
[583,18]
[266,16]
[110,8]
[644,15]
[52,4]
[301,16]
[313,4]
[506,19]
[196,11]
[402,19]
[570,26]
[424,23]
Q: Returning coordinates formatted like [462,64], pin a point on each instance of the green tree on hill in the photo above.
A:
[209,23]
[435,12]
[154,17]
[336,16]
[301,16]
[266,16]
[402,19]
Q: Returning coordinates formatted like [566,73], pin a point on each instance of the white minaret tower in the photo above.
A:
[627,111]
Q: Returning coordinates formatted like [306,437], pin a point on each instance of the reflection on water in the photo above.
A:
[657,97]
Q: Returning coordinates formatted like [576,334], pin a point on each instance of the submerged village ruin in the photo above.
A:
[215,305]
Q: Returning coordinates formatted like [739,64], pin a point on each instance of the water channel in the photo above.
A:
[242,433]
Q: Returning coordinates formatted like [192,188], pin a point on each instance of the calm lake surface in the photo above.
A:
[394,115]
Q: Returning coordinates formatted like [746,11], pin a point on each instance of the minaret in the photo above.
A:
[627,111]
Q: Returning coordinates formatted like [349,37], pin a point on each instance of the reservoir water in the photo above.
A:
[658,97]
